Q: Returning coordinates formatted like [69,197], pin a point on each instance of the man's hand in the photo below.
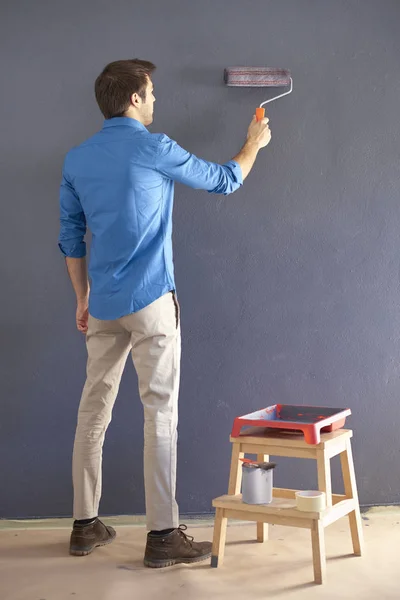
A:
[259,132]
[78,274]
[258,136]
[82,316]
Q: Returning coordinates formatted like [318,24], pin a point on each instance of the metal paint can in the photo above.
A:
[257,483]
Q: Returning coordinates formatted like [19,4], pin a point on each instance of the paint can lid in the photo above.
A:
[265,466]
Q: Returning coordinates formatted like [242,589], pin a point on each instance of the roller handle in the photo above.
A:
[260,113]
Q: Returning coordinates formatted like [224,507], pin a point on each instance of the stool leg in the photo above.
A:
[350,488]
[318,551]
[235,475]
[262,528]
[324,476]
[218,548]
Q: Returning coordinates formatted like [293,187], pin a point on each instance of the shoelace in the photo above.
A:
[188,538]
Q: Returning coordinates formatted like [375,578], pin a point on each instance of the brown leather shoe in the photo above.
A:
[85,538]
[174,548]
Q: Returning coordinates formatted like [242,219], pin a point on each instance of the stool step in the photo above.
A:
[283,510]
[282,506]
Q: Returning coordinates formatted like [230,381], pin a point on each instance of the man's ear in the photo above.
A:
[135,100]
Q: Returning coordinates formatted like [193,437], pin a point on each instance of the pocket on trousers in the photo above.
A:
[177,309]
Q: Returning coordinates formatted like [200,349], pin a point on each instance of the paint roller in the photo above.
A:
[259,77]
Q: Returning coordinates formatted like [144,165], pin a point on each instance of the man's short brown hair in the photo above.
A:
[118,81]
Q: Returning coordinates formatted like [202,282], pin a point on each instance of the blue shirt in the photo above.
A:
[120,184]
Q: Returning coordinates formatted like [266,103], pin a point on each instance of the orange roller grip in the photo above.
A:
[260,113]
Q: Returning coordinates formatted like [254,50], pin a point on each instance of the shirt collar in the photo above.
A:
[123,121]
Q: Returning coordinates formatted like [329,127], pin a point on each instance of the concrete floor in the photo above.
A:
[35,565]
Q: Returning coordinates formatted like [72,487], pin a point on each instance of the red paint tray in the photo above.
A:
[311,420]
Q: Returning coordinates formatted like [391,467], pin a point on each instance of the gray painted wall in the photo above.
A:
[289,288]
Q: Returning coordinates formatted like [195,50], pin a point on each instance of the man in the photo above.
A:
[119,184]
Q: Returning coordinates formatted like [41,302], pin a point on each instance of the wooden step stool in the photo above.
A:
[283,510]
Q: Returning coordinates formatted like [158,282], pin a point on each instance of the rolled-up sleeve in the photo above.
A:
[180,165]
[72,221]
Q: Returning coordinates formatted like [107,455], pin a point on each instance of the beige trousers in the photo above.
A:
[153,337]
